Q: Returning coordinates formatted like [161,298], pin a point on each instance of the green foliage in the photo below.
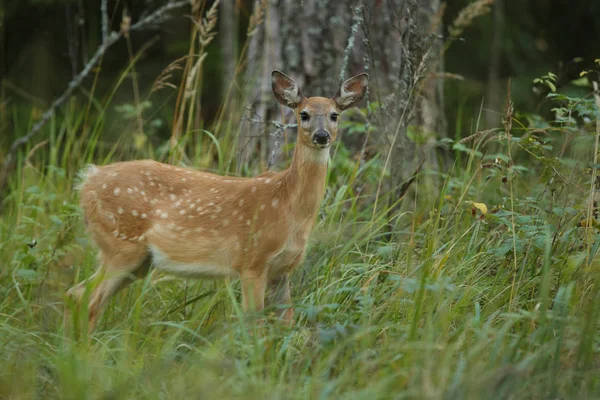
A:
[548,80]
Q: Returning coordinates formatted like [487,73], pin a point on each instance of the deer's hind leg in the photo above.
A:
[279,295]
[115,270]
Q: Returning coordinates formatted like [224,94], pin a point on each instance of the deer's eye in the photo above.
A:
[334,117]
[304,116]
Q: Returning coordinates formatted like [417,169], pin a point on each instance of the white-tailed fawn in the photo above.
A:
[200,225]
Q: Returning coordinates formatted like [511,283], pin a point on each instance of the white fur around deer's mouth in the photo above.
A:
[321,146]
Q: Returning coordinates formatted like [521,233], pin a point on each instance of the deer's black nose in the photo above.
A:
[321,138]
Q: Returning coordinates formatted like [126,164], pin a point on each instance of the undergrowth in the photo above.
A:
[489,291]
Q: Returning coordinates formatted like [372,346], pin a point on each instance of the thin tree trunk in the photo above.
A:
[420,98]
[228,35]
[494,100]
[430,113]
[3,106]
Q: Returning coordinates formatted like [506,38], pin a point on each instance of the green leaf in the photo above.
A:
[27,274]
[340,194]
[32,190]
[465,149]
[386,252]
[56,220]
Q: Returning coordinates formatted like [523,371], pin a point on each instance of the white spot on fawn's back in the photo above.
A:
[116,191]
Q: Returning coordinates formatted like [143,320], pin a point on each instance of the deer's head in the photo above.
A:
[318,116]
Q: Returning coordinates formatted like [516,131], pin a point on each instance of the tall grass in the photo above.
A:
[491,293]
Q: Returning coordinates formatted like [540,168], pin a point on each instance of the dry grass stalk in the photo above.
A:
[190,87]
[422,68]
[205,28]
[163,80]
[476,136]
[196,4]
[508,117]
[125,23]
[257,17]
[437,20]
[447,76]
[207,24]
[468,14]
[192,79]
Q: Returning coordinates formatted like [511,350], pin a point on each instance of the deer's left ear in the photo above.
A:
[351,91]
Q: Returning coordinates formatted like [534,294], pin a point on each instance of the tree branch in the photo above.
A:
[104,12]
[108,39]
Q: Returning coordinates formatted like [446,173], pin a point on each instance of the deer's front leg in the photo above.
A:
[253,290]
[279,294]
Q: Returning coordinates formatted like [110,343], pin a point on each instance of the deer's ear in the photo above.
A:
[285,89]
[351,91]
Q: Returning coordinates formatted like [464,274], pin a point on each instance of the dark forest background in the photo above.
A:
[44,43]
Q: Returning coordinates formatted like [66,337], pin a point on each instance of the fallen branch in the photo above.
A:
[109,39]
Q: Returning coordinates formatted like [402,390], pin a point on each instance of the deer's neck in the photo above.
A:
[304,181]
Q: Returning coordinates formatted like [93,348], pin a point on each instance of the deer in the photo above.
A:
[193,224]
